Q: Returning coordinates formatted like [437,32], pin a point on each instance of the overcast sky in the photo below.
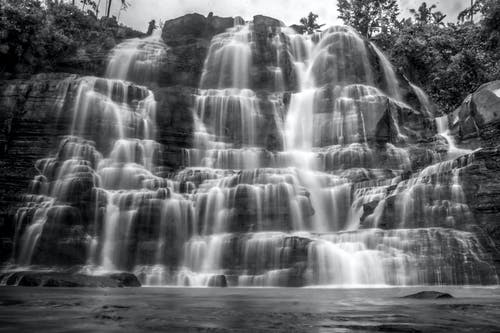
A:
[288,11]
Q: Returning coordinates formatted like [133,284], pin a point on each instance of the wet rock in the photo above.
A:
[368,209]
[125,279]
[188,38]
[174,123]
[383,119]
[30,128]
[6,243]
[92,57]
[194,26]
[481,185]
[477,121]
[55,279]
[217,281]
[429,295]
[265,23]
[266,53]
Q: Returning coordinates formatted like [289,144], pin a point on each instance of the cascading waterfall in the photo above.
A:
[330,203]
[444,131]
[120,181]
[239,212]
[138,60]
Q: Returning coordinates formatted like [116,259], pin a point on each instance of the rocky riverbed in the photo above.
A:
[247,310]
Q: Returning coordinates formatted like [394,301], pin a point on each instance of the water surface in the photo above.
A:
[246,310]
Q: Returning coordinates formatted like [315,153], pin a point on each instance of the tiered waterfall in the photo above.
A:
[303,178]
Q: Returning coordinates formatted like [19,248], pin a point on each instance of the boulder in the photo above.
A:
[125,279]
[191,27]
[429,295]
[477,121]
[217,281]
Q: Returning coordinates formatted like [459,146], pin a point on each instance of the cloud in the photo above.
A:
[288,11]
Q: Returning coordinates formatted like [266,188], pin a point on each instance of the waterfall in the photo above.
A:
[301,187]
[138,60]
[241,214]
[115,171]
[444,131]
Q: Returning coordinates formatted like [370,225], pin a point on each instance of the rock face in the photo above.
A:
[476,122]
[174,123]
[30,130]
[481,183]
[189,38]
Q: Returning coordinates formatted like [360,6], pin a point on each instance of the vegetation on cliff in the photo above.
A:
[37,36]
[448,61]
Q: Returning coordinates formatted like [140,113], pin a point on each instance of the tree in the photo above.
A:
[469,12]
[309,25]
[94,5]
[490,23]
[368,16]
[124,6]
[151,27]
[425,14]
[108,9]
[448,63]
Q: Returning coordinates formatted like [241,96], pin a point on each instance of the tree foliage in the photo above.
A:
[448,61]
[368,16]
[35,37]
[426,14]
[309,24]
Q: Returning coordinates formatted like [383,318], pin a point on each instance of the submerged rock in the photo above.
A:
[62,279]
[429,295]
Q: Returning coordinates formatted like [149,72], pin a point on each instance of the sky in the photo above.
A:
[288,11]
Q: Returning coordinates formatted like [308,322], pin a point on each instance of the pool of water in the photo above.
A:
[247,310]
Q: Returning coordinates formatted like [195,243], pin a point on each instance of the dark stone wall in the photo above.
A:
[188,38]
[481,184]
[30,129]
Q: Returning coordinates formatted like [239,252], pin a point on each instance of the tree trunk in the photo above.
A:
[109,8]
[472,11]
[97,9]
